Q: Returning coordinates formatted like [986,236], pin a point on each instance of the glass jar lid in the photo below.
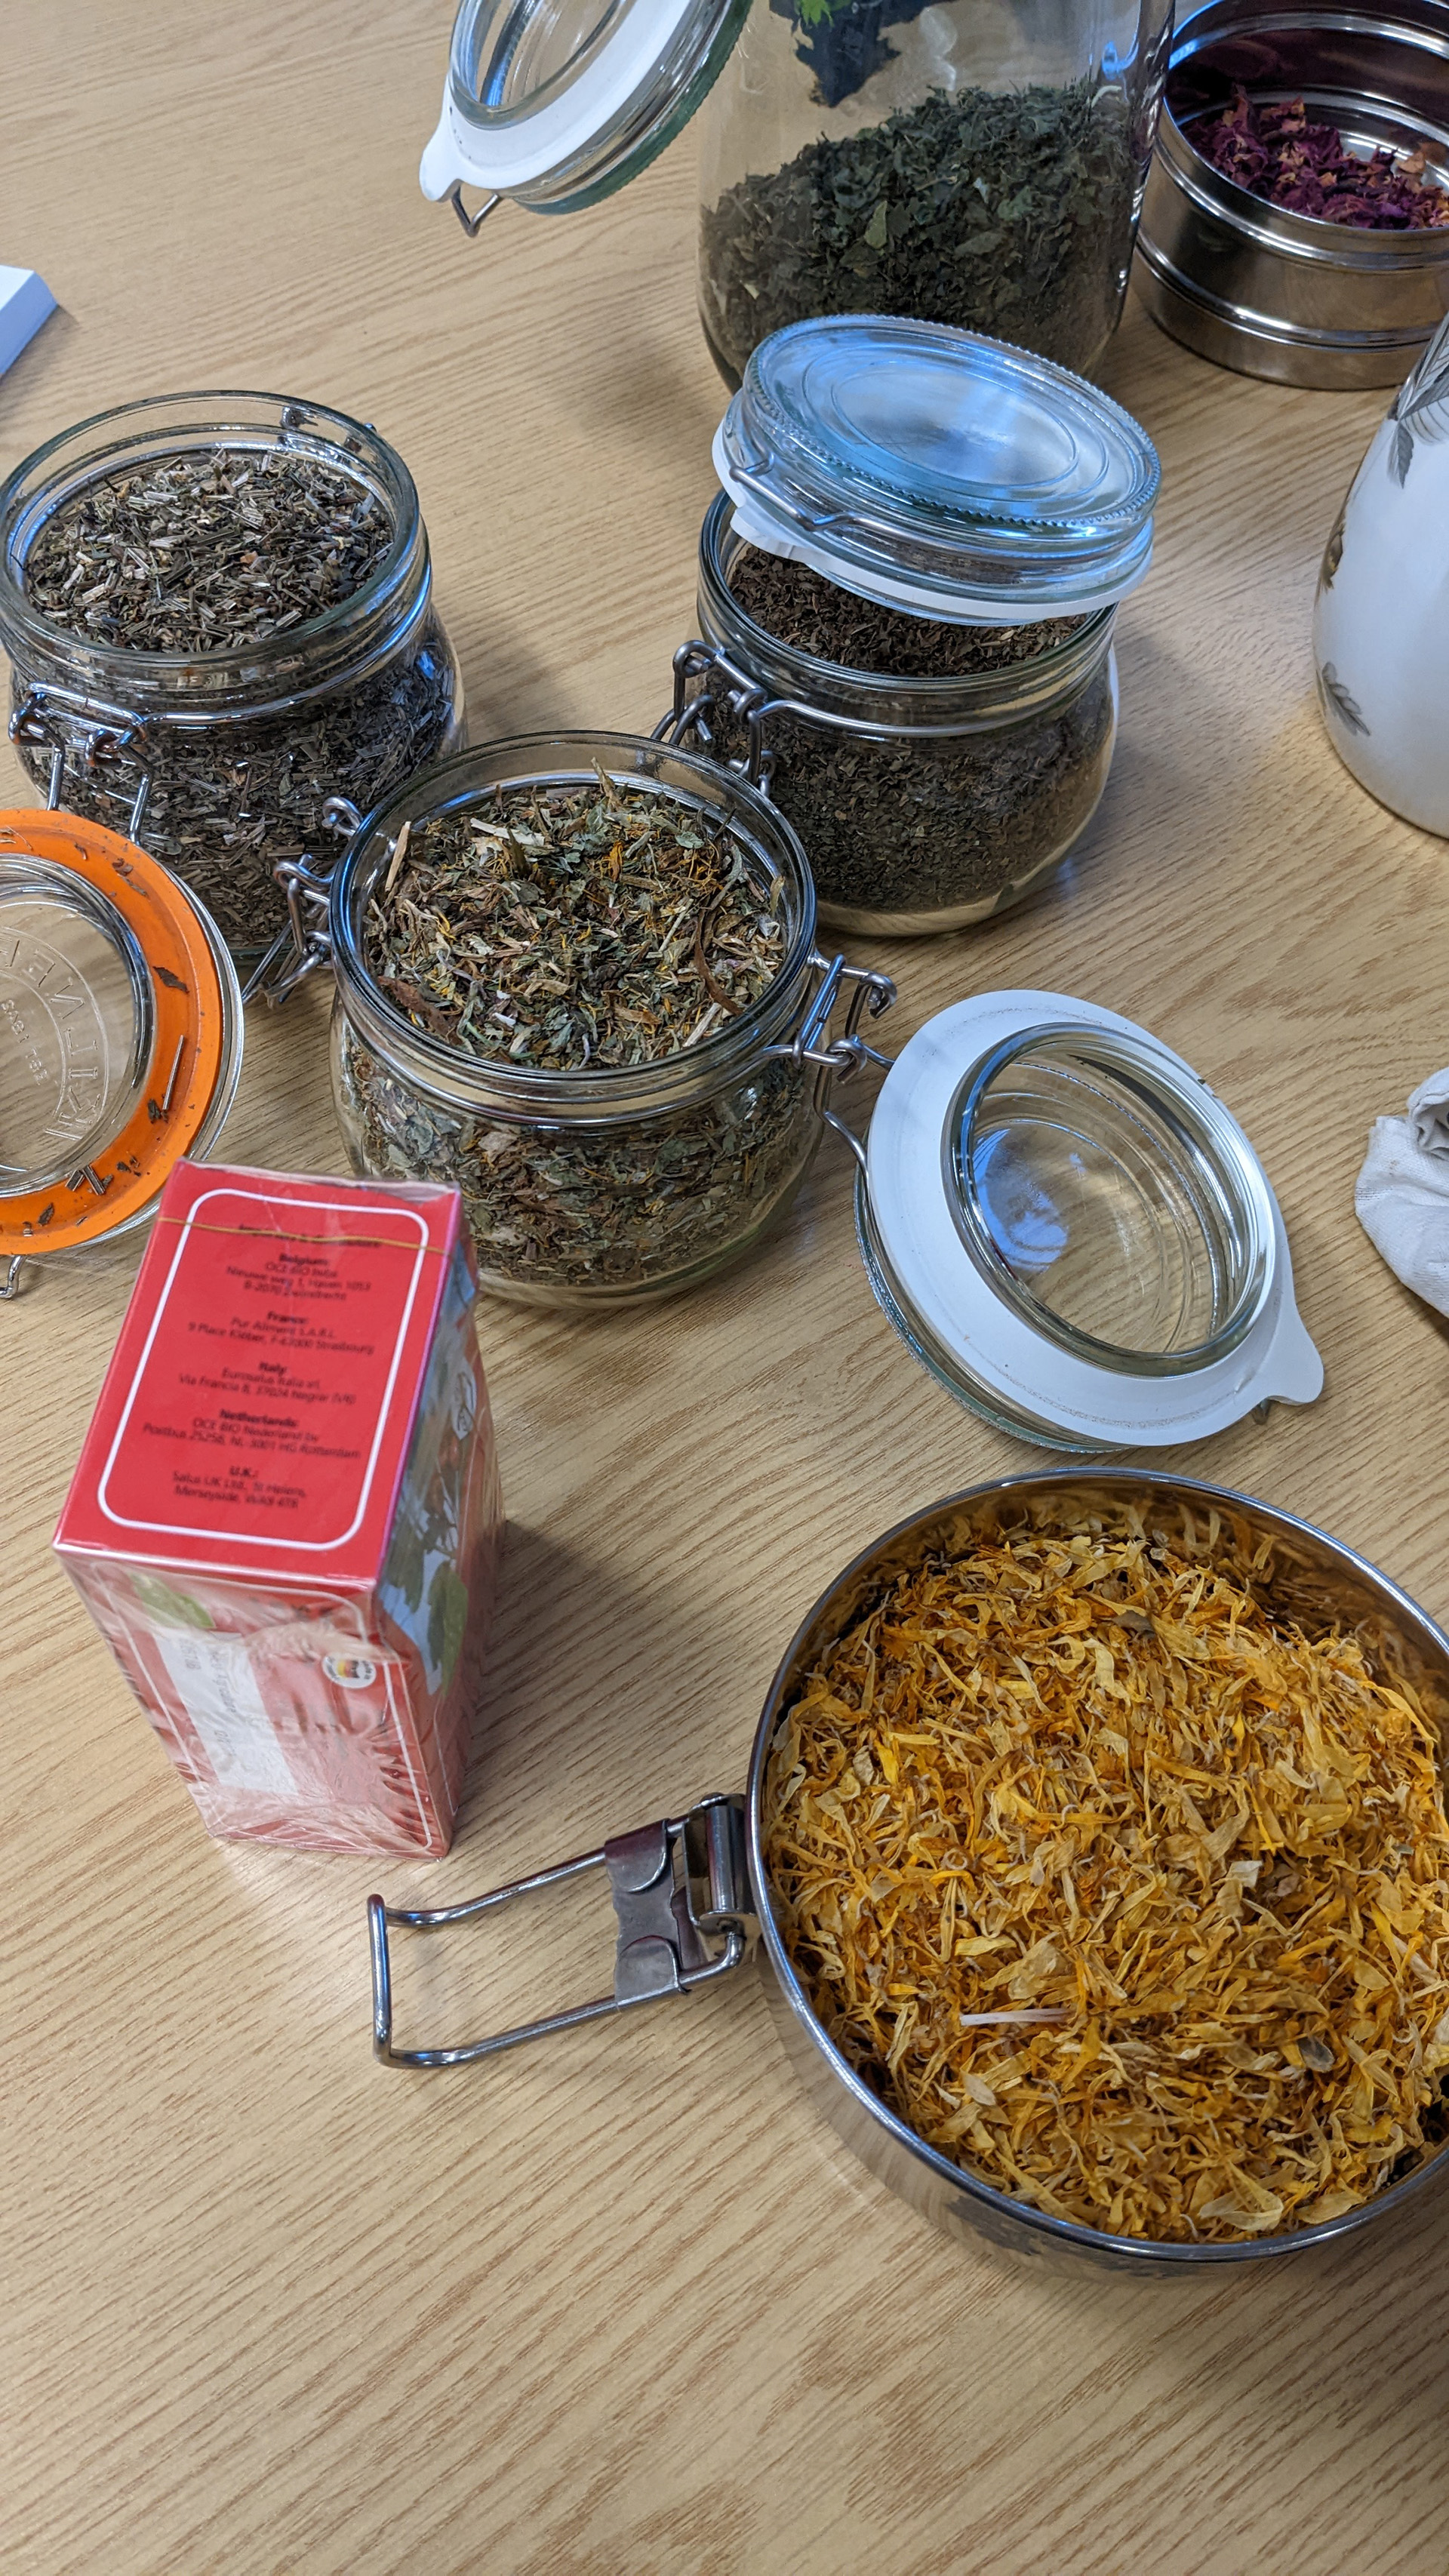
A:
[120,1033]
[558,102]
[1075,1227]
[938,471]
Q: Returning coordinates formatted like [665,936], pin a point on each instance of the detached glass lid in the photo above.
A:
[936,470]
[558,102]
[120,1035]
[1068,1226]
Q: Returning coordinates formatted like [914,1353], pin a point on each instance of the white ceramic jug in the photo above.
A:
[1381,622]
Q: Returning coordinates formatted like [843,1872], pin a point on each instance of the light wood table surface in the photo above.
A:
[619,2305]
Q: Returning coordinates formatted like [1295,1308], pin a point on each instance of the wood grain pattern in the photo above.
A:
[620,2308]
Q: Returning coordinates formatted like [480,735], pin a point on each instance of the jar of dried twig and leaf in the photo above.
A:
[576,975]
[218,612]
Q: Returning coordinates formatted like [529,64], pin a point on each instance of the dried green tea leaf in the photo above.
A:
[1009,212]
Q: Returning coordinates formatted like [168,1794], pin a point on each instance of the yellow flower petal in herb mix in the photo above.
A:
[1099,1778]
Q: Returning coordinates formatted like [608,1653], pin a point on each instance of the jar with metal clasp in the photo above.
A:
[978,167]
[1061,1220]
[240,744]
[978,515]
[591,1185]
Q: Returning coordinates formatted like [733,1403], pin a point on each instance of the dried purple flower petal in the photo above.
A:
[1277,153]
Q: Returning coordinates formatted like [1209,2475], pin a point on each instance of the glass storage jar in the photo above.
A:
[942,476]
[924,804]
[594,1186]
[976,166]
[1063,1224]
[236,749]
[120,1039]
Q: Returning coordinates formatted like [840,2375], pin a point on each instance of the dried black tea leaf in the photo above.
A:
[900,830]
[794,602]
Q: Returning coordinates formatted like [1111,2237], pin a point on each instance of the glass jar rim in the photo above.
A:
[602,1092]
[1209,1139]
[982,696]
[390,597]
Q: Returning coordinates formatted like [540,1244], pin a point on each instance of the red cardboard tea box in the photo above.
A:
[286,1515]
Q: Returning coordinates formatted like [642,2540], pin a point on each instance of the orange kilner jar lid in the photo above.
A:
[120,1035]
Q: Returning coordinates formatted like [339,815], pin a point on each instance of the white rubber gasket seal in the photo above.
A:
[512,152]
[937,1280]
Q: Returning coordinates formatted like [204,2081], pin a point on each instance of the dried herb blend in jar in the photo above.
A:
[226,598]
[907,595]
[562,927]
[569,980]
[947,829]
[800,607]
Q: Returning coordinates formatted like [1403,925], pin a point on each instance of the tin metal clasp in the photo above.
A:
[682,1902]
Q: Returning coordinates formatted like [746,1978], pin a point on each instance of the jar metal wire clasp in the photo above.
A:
[706,684]
[719,685]
[835,1059]
[57,721]
[304,946]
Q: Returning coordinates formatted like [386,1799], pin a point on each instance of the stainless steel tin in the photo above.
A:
[1282,295]
[693,1896]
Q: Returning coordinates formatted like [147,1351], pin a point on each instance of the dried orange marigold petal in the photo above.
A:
[1098,1777]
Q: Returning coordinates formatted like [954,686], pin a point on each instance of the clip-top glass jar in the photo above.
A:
[224,757]
[988,510]
[593,1186]
[120,1039]
[979,167]
[1059,1219]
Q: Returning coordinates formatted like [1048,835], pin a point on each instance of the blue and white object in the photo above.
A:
[937,471]
[1038,1168]
[25,301]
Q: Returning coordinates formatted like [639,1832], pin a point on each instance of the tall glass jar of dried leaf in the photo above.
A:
[218,612]
[976,162]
